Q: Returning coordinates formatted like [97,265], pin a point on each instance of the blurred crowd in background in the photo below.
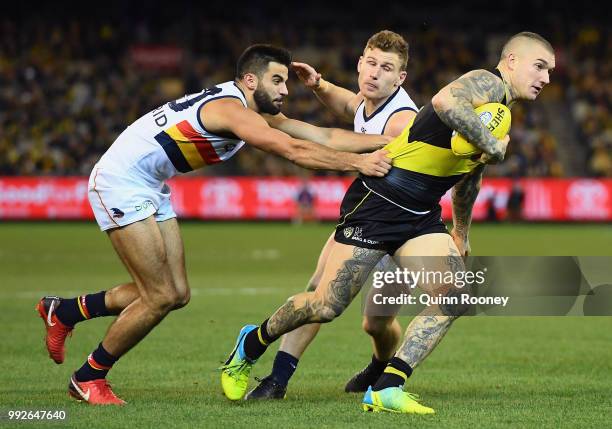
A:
[68,87]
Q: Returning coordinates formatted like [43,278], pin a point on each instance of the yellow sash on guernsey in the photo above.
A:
[424,158]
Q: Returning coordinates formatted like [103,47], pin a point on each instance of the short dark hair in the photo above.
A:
[255,59]
[527,35]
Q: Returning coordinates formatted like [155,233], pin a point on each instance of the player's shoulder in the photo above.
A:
[354,104]
[226,110]
[483,77]
[231,89]
[227,94]
[404,99]
[483,85]
[482,73]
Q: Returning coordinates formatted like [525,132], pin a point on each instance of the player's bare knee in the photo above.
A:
[454,307]
[313,282]
[312,286]
[162,301]
[329,311]
[375,326]
[325,315]
[183,298]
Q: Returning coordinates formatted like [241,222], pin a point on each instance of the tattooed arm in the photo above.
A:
[463,197]
[455,105]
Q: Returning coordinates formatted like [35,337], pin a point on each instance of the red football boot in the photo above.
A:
[95,392]
[56,330]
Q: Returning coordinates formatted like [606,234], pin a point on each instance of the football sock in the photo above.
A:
[395,375]
[257,341]
[284,367]
[74,310]
[377,365]
[96,366]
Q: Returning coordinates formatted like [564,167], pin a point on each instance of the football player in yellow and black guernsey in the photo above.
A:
[400,215]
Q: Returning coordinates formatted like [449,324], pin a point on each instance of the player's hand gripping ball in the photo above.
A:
[495,116]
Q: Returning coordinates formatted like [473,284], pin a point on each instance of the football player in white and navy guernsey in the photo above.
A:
[382,106]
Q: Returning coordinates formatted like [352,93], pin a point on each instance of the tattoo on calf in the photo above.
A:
[340,292]
[288,317]
[422,336]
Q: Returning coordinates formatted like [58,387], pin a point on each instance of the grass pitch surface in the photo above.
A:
[487,372]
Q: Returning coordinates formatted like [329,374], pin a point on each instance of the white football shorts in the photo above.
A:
[121,198]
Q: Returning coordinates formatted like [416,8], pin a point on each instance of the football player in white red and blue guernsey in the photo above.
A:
[131,202]
[383,107]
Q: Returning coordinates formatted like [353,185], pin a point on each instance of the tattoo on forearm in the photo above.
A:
[338,294]
[463,197]
[422,336]
[475,86]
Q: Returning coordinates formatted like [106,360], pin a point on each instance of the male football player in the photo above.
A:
[131,202]
[400,215]
[381,106]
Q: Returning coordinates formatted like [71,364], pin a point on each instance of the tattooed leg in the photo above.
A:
[346,271]
[422,336]
[428,328]
[296,341]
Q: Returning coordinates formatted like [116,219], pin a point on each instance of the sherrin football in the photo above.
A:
[496,118]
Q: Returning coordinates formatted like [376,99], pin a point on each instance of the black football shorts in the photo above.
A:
[369,220]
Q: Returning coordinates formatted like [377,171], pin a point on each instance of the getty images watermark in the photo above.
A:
[492,285]
[432,279]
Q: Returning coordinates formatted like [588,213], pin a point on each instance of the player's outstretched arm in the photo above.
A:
[342,102]
[464,195]
[334,138]
[455,105]
[229,115]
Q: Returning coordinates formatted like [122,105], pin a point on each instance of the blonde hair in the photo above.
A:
[388,41]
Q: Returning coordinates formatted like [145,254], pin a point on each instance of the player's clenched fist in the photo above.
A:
[502,145]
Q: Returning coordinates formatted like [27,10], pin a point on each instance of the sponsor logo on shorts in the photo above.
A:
[230,147]
[117,213]
[355,234]
[143,205]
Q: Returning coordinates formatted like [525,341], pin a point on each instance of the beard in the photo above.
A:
[264,102]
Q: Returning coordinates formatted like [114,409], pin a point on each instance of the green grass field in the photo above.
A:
[488,371]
